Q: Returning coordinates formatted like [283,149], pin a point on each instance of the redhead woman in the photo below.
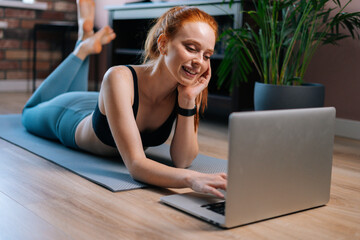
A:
[137,105]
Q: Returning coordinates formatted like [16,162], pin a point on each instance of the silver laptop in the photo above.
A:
[279,163]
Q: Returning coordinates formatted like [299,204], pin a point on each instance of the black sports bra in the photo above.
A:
[149,138]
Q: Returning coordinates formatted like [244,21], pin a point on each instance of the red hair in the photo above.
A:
[169,24]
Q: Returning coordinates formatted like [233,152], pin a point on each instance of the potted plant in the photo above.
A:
[279,45]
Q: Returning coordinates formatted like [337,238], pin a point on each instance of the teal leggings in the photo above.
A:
[61,102]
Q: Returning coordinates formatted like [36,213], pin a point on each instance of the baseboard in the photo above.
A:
[23,85]
[347,128]
[17,85]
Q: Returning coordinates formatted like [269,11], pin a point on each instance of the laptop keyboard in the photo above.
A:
[218,207]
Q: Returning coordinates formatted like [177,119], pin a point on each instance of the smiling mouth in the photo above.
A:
[189,72]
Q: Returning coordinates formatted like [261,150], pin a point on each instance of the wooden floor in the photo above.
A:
[40,200]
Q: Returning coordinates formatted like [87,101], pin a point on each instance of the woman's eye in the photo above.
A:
[207,57]
[191,49]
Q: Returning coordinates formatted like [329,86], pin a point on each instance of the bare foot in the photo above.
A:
[86,15]
[93,44]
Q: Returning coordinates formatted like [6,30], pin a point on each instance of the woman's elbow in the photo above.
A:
[182,165]
[134,169]
[185,160]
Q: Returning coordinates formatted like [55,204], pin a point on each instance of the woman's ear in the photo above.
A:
[162,44]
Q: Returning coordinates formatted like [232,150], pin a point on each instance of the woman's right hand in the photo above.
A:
[208,183]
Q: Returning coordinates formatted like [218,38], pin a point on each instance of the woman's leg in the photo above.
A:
[60,81]
[86,15]
[72,73]
[58,118]
[61,102]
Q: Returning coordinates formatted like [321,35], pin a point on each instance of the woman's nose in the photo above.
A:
[198,59]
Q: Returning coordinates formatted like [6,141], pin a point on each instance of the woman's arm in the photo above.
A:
[116,98]
[184,146]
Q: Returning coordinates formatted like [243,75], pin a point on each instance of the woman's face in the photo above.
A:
[188,53]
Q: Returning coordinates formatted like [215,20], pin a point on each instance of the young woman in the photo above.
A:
[137,105]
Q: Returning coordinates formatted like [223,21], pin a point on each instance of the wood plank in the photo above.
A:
[83,210]
[29,178]
[17,222]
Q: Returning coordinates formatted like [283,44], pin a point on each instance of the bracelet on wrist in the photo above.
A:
[186,112]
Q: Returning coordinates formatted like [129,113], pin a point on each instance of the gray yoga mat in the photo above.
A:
[110,173]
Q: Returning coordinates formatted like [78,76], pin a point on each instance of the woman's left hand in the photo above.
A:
[187,94]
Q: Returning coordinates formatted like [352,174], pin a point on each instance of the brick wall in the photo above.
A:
[16,45]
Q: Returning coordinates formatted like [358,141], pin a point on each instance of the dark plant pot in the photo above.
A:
[271,97]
